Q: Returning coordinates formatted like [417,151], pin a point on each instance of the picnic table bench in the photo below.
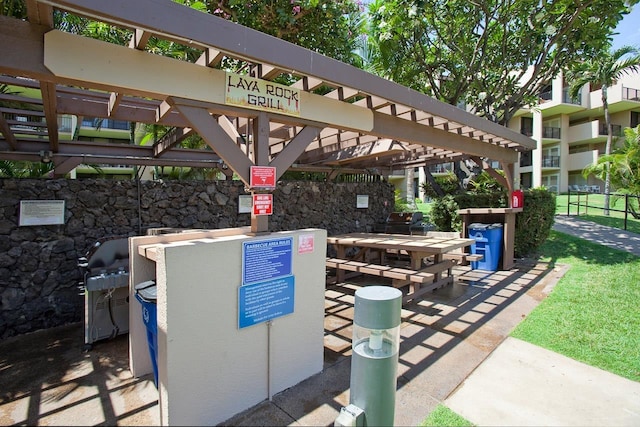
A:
[416,277]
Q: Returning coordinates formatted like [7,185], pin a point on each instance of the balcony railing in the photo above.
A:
[550,161]
[65,123]
[105,123]
[551,132]
[630,94]
[441,168]
[526,131]
[616,130]
[546,96]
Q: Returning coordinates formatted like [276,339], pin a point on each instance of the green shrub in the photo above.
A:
[444,214]
[484,200]
[399,203]
[534,223]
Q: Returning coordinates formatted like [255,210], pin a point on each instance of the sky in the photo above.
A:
[629,30]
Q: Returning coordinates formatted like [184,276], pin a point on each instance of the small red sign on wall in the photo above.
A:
[517,199]
[262,204]
[263,177]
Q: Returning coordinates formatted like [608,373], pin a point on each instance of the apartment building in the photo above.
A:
[572,133]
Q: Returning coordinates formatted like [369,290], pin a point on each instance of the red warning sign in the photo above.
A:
[262,177]
[262,204]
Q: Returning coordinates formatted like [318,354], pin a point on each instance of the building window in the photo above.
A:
[551,182]
[526,126]
[635,119]
[526,158]
[526,180]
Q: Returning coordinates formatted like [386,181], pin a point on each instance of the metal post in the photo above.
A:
[375,346]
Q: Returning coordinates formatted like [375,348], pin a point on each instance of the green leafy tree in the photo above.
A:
[485,184]
[623,167]
[327,27]
[448,184]
[494,55]
[604,69]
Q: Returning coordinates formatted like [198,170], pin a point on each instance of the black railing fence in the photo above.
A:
[582,200]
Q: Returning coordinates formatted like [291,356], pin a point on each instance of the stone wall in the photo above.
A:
[39,275]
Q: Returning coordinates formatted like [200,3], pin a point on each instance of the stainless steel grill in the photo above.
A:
[402,223]
[105,273]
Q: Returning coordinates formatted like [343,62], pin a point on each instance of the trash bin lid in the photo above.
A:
[495,225]
[478,226]
[147,290]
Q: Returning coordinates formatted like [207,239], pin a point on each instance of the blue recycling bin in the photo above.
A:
[488,239]
[146,293]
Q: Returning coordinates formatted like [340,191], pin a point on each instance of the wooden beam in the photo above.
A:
[294,149]
[39,13]
[123,70]
[415,133]
[114,102]
[210,57]
[113,154]
[491,171]
[170,140]
[139,39]
[260,130]
[64,166]
[215,136]
[5,129]
[48,91]
[385,147]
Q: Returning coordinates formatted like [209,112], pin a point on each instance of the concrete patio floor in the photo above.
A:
[48,380]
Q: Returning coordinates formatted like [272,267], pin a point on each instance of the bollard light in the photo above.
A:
[375,347]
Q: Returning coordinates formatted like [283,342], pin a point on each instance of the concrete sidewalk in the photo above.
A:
[596,233]
[521,384]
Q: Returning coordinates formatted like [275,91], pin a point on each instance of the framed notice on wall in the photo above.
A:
[362,201]
[41,212]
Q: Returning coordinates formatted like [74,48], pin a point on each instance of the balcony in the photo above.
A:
[526,158]
[630,94]
[105,123]
[550,161]
[558,102]
[549,132]
[619,98]
[594,131]
[441,168]
[105,128]
[577,161]
[617,130]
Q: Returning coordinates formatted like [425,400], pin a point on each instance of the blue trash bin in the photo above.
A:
[488,239]
[146,293]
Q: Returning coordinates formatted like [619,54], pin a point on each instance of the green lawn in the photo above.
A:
[591,315]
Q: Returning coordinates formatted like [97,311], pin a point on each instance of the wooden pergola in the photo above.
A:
[362,123]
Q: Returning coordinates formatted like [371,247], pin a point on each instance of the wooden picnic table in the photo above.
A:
[419,277]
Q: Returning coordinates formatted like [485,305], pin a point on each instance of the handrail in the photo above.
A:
[586,205]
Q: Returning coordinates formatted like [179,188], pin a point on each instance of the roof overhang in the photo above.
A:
[364,121]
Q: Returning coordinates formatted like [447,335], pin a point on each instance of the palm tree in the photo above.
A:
[604,70]
[624,168]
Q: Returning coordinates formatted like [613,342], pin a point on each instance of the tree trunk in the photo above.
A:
[607,149]
[411,197]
